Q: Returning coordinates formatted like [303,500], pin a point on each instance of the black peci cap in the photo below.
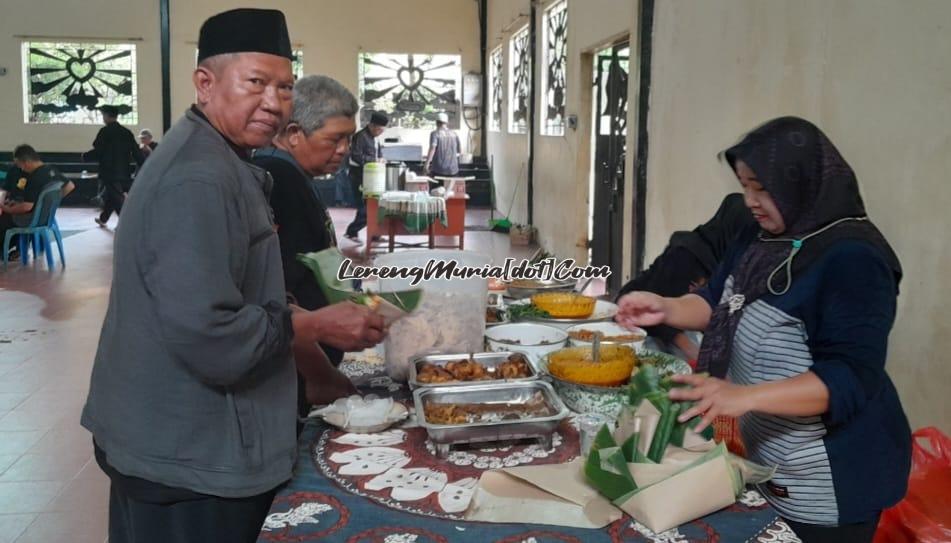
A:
[245,30]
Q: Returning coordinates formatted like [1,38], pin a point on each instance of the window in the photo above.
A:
[520,73]
[554,35]
[66,83]
[411,88]
[495,90]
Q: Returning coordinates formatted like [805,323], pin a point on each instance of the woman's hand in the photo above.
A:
[714,397]
[641,309]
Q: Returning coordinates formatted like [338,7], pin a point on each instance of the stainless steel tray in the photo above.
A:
[489,360]
[542,285]
[446,435]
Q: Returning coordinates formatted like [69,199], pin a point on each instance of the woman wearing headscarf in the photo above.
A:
[687,263]
[796,326]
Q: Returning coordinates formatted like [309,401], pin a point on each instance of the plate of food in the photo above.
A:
[561,309]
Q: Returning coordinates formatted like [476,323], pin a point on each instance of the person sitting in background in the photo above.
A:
[115,149]
[315,142]
[146,143]
[26,180]
[444,149]
[796,323]
[688,262]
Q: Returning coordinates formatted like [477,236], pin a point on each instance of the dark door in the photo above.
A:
[609,153]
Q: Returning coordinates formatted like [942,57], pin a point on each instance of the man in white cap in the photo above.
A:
[444,148]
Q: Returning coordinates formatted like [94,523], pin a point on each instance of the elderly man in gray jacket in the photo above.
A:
[192,402]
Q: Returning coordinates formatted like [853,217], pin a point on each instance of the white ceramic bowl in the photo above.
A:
[536,340]
[608,329]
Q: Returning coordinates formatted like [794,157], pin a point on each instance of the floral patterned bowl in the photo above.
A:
[607,400]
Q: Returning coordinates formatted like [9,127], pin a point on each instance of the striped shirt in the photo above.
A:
[848,464]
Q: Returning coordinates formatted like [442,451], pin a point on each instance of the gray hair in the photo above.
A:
[318,98]
[145,132]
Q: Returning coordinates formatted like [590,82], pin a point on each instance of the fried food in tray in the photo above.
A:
[516,367]
[469,413]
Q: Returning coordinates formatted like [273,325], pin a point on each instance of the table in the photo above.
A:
[392,227]
[392,488]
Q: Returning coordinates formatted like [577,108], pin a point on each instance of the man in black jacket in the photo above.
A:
[315,142]
[364,149]
[114,148]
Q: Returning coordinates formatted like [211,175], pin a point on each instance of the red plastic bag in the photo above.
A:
[924,516]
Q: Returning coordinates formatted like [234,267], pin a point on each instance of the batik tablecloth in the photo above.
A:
[416,210]
[392,488]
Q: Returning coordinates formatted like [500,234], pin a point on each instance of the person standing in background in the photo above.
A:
[115,149]
[364,149]
[444,149]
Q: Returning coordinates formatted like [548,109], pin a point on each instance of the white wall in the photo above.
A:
[875,76]
[91,20]
[508,153]
[332,33]
[562,163]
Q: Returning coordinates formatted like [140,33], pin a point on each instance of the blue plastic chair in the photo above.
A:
[41,226]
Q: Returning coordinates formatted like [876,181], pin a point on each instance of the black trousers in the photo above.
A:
[203,520]
[848,533]
[112,198]
[360,219]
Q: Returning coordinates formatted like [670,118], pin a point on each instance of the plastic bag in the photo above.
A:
[924,515]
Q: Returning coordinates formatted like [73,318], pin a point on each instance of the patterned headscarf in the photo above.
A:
[813,187]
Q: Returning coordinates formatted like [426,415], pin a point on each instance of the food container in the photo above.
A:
[490,360]
[446,435]
[607,400]
[608,329]
[537,340]
[525,288]
[450,317]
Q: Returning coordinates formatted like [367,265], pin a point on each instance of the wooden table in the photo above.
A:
[391,227]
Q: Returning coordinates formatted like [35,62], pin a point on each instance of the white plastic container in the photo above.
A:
[374,179]
[450,317]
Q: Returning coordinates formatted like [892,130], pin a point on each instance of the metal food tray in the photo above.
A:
[446,435]
[489,360]
[543,285]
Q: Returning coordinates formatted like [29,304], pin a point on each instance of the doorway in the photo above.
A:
[609,137]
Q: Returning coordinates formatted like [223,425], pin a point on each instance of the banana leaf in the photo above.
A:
[324,265]
[606,470]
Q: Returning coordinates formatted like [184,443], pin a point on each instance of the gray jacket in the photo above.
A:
[194,385]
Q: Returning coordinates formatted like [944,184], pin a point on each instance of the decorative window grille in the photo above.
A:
[411,88]
[67,82]
[553,99]
[520,73]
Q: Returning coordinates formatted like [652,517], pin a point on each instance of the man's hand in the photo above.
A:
[641,309]
[346,326]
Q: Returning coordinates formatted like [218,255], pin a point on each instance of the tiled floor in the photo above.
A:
[50,487]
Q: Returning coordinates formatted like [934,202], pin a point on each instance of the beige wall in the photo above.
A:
[332,32]
[71,20]
[874,75]
[562,163]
